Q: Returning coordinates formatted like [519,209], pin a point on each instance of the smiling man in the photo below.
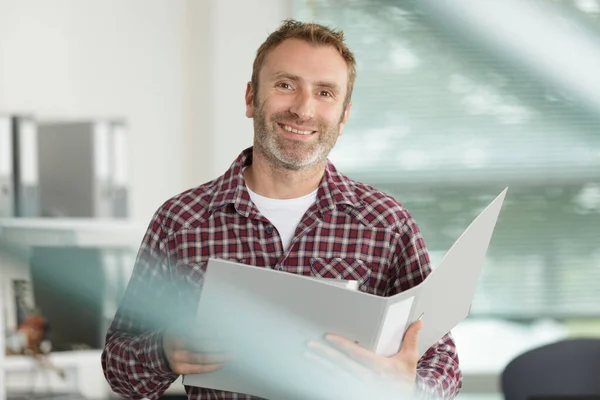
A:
[300,215]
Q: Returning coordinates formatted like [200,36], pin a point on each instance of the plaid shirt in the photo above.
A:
[352,231]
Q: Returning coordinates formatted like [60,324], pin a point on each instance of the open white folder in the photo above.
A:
[265,317]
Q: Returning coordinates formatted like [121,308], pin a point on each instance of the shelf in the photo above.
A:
[80,362]
[66,359]
[47,232]
[83,375]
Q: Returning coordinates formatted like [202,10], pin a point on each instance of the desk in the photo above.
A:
[83,374]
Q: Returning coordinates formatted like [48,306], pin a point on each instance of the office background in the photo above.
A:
[452,103]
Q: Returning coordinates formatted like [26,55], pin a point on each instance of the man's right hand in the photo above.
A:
[185,359]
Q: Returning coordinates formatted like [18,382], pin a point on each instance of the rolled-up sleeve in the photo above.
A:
[133,360]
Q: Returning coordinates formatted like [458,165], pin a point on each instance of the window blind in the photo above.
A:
[449,108]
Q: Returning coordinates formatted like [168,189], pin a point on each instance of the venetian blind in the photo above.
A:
[454,103]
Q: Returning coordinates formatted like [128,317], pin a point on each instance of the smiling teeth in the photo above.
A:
[290,129]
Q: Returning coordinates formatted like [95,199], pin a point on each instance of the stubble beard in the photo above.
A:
[285,153]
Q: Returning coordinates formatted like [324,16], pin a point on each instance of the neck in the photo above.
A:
[280,183]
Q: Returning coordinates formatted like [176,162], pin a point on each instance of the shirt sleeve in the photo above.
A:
[438,371]
[132,359]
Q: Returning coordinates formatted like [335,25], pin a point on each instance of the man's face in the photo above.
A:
[298,110]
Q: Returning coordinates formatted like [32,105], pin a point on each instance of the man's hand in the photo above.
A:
[400,368]
[186,359]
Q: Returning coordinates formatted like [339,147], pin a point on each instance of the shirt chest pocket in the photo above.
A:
[342,268]
[193,272]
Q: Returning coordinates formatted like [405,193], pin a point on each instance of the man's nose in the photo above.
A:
[303,106]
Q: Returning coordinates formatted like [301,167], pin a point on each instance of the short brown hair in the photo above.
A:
[312,33]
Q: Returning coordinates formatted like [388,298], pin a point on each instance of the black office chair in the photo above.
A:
[565,369]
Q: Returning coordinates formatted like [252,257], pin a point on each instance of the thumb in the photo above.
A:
[411,338]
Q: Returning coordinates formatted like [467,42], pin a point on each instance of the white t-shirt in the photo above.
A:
[284,214]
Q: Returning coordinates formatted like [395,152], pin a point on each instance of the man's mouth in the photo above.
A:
[296,131]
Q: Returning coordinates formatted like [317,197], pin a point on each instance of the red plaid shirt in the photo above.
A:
[352,231]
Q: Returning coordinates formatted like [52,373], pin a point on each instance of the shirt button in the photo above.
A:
[269,229]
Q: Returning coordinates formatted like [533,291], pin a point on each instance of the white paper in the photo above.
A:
[28,146]
[6,146]
[270,316]
[347,284]
[445,296]
[394,325]
[102,150]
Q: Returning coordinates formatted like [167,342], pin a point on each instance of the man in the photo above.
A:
[281,205]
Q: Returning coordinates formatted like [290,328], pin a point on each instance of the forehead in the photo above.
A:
[312,63]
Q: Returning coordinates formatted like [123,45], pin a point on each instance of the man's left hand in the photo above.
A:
[366,365]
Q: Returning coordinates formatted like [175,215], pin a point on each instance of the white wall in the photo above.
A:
[175,69]
[236,42]
[236,28]
[84,58]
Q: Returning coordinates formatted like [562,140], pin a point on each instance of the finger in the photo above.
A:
[411,338]
[355,351]
[188,357]
[202,345]
[177,343]
[325,367]
[339,378]
[327,364]
[185,368]
[340,360]
[211,358]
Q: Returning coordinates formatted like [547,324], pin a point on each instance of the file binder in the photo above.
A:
[267,317]
[78,167]
[6,168]
[25,166]
[120,141]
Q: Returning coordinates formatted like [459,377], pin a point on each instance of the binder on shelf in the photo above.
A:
[6,168]
[120,160]
[78,168]
[25,166]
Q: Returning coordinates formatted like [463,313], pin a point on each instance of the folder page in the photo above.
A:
[444,298]
[348,284]
[270,316]
[393,324]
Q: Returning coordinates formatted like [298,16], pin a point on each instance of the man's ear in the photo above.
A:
[344,118]
[249,101]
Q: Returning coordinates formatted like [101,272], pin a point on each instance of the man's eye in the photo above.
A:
[285,85]
[325,93]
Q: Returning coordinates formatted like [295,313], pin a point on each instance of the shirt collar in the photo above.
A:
[230,188]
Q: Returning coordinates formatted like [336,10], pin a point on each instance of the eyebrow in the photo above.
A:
[330,85]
